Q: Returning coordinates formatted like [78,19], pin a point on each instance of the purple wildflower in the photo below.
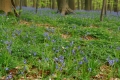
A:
[81,62]
[111,62]
[85,59]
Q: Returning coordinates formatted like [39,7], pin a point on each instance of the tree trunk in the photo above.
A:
[88,4]
[103,10]
[115,6]
[6,6]
[53,4]
[34,3]
[63,7]
[82,6]
[71,4]
[78,1]
[16,2]
[109,6]
[37,4]
[50,3]
[24,3]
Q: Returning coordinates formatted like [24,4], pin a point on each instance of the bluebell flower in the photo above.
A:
[73,51]
[71,44]
[118,48]
[79,47]
[56,59]
[53,41]
[25,61]
[46,45]
[111,62]
[34,53]
[9,77]
[81,62]
[6,68]
[85,59]
[46,34]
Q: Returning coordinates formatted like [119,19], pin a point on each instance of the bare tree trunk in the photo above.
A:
[102,10]
[6,6]
[88,4]
[16,2]
[71,4]
[37,1]
[115,5]
[24,3]
[50,3]
[20,7]
[14,8]
[82,6]
[109,6]
[78,1]
[106,8]
[63,7]
[34,3]
[53,4]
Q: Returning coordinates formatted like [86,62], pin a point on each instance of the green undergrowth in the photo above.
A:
[69,47]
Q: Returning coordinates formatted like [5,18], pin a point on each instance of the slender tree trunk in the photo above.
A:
[50,3]
[34,3]
[109,6]
[53,4]
[14,8]
[16,2]
[78,1]
[24,3]
[82,6]
[88,4]
[20,7]
[106,8]
[103,10]
[37,3]
[115,5]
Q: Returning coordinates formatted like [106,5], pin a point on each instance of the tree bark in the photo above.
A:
[63,7]
[88,4]
[53,4]
[37,4]
[103,10]
[71,4]
[115,5]
[14,8]
[34,3]
[6,6]
[78,1]
[24,3]
[17,2]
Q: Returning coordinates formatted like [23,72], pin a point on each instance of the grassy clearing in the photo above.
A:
[50,46]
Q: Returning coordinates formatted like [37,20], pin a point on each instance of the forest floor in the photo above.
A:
[49,46]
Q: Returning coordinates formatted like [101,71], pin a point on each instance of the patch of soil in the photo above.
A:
[65,36]
[33,74]
[104,74]
[23,22]
[89,37]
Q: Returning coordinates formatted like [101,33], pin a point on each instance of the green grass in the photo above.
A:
[42,51]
